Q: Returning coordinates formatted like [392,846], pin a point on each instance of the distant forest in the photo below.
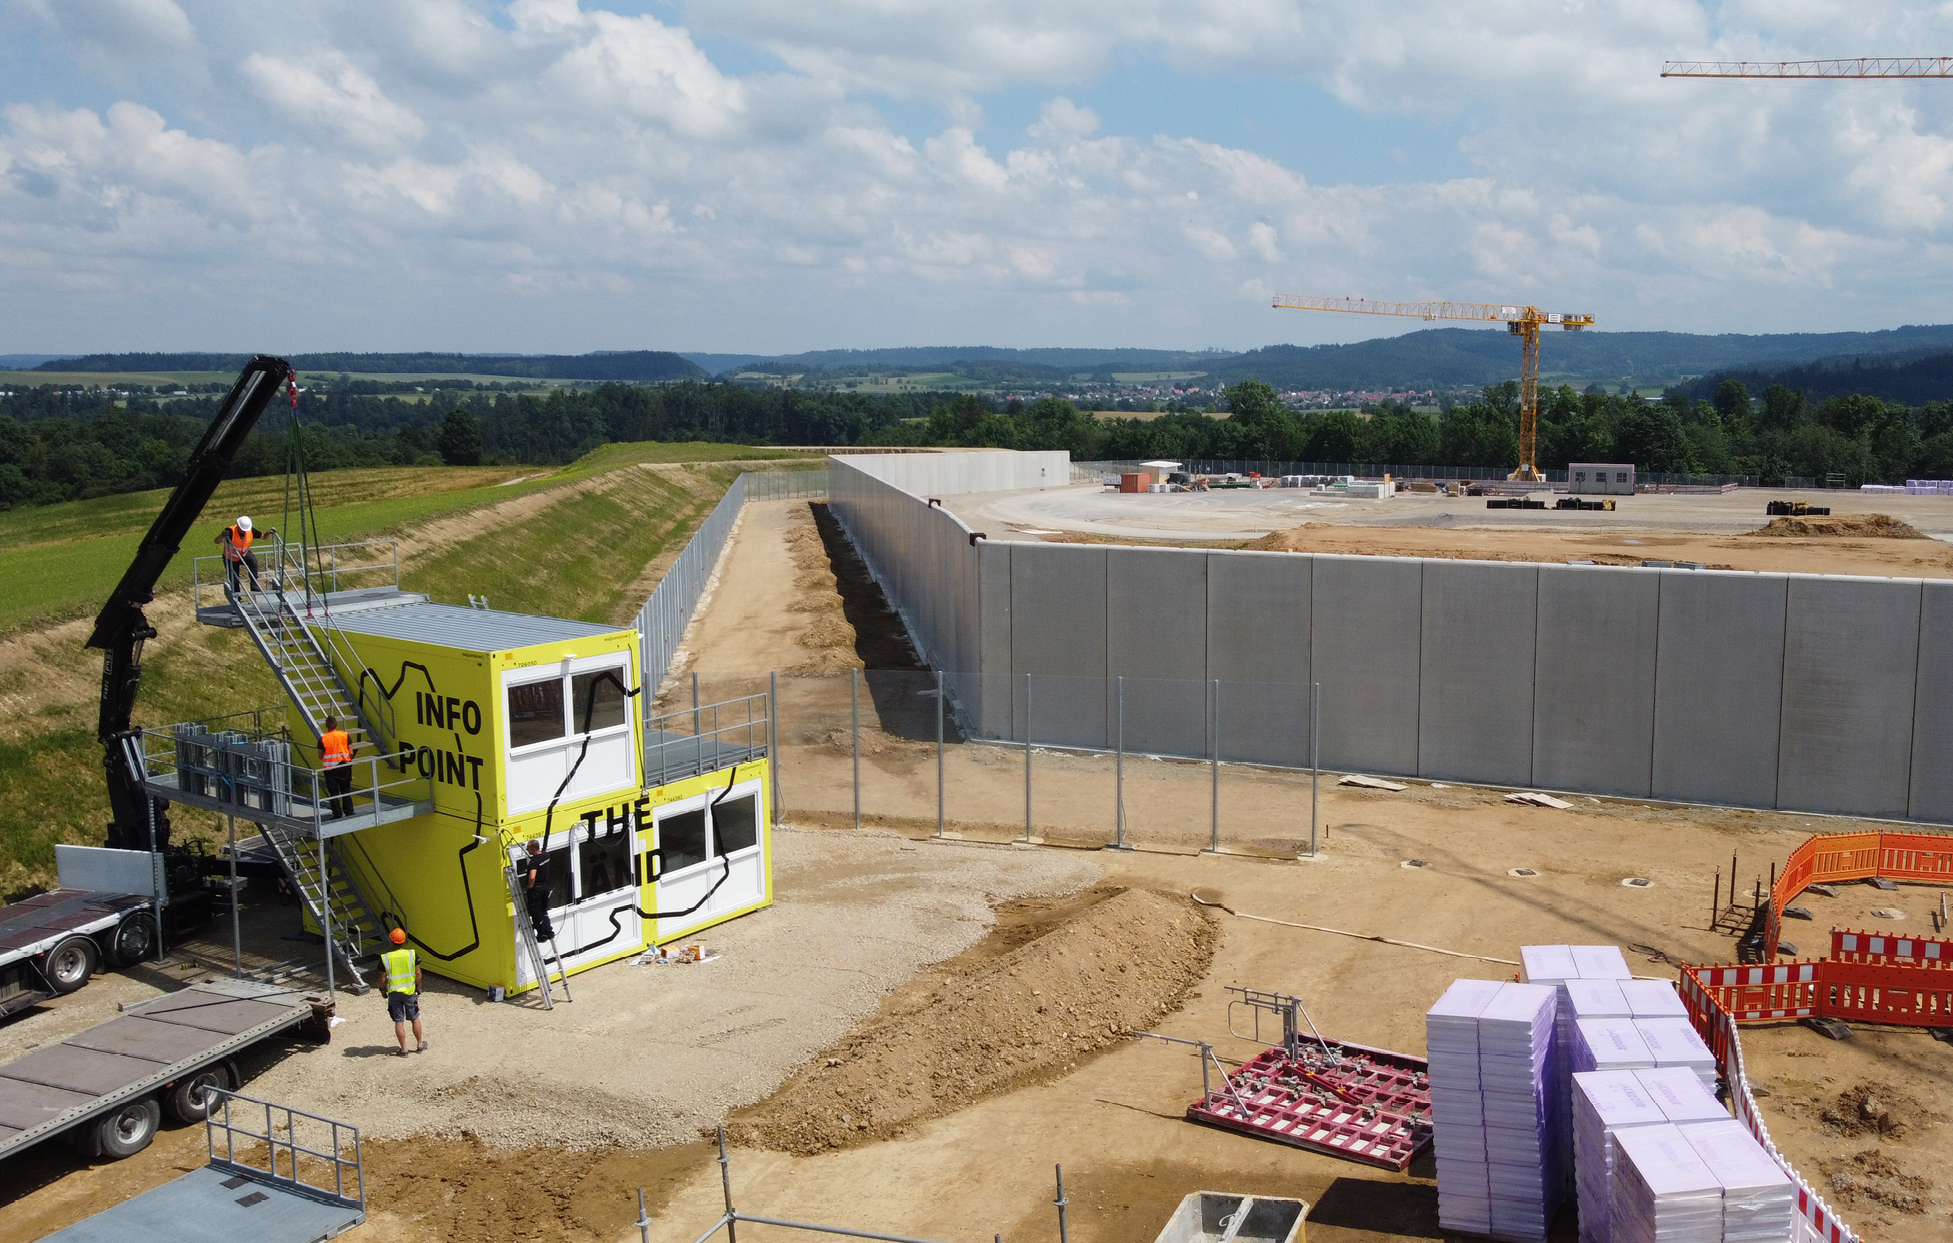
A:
[65,444]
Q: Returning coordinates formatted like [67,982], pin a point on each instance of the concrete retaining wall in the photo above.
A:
[1797,692]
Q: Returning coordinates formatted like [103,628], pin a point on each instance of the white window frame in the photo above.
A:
[704,801]
[564,671]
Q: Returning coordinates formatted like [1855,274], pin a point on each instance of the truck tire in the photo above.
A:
[126,1131]
[68,965]
[133,940]
[190,1098]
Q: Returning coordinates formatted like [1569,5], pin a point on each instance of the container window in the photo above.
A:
[605,862]
[735,825]
[552,868]
[682,839]
[535,712]
[598,698]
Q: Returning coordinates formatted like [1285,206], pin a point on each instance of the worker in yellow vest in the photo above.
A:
[403,990]
[236,540]
[336,754]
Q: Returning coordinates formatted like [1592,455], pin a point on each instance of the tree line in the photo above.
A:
[66,444]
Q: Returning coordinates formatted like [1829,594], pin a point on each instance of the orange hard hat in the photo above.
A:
[398,936]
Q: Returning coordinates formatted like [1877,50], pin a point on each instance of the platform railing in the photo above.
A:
[241,765]
[263,1140]
[705,738]
[297,570]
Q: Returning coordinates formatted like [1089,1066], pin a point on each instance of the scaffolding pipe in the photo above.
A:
[1027,757]
[854,704]
[1315,758]
[939,753]
[1214,763]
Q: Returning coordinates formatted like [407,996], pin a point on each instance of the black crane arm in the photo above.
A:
[121,628]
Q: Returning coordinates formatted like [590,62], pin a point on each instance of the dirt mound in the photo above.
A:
[1876,1109]
[986,1025]
[1872,1177]
[1844,526]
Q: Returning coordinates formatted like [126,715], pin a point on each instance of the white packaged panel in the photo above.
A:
[1475,684]
[1057,618]
[1718,687]
[1594,679]
[1156,638]
[1851,654]
[1258,606]
[1932,715]
[1365,634]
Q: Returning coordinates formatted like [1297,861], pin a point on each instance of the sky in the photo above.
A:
[771,176]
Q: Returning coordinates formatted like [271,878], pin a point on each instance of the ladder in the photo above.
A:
[332,898]
[525,933]
[303,668]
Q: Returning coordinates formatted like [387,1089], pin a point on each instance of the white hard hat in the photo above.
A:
[244,523]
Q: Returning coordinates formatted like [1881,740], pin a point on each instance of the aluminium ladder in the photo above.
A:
[525,932]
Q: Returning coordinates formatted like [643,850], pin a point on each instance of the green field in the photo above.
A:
[578,548]
[122,379]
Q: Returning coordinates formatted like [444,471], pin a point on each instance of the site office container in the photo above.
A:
[499,731]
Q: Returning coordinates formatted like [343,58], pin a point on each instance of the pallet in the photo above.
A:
[1373,1107]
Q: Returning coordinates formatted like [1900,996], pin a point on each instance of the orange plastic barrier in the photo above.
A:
[1830,857]
[1757,994]
[1887,993]
[1879,948]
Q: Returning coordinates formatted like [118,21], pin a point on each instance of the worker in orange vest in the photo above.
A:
[236,540]
[336,751]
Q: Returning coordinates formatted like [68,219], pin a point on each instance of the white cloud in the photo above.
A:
[549,174]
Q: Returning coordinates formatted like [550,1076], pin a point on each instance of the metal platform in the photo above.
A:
[1363,1104]
[219,1204]
[221,612]
[276,1175]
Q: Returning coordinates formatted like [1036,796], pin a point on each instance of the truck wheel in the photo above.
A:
[191,1098]
[128,1130]
[69,964]
[134,939]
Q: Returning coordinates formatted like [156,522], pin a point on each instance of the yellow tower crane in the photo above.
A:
[1855,67]
[1521,321]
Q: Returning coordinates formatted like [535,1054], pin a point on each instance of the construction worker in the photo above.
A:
[535,891]
[336,752]
[236,540]
[403,990]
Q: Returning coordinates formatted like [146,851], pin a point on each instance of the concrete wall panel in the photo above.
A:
[1851,653]
[1057,609]
[1258,606]
[1475,691]
[1718,687]
[1594,680]
[1156,638]
[1932,714]
[1365,637]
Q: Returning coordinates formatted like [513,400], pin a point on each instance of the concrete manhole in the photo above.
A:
[1520,872]
[1637,882]
[1413,863]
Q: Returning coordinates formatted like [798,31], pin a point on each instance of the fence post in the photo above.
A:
[1119,769]
[1315,758]
[1027,757]
[939,753]
[854,704]
[1214,765]
[773,749]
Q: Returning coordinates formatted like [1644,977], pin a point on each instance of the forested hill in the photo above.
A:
[641,366]
[1909,381]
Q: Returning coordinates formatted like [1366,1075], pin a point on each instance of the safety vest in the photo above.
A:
[400,970]
[237,543]
[336,747]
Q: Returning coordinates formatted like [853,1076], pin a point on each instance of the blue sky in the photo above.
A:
[766,176]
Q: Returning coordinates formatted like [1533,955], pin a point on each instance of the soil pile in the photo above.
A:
[988,1025]
[1844,526]
[1872,1177]
[1875,1109]
[828,635]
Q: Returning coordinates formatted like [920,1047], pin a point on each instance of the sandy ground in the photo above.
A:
[1113,1118]
[1689,528]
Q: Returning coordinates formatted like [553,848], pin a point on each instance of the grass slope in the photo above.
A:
[576,545]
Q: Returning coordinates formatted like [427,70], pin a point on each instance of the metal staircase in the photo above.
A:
[294,653]
[333,899]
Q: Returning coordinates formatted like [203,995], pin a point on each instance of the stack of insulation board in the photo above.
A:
[1621,1043]
[1492,1075]
[1662,1189]
[1759,1201]
[1607,1102]
[1559,966]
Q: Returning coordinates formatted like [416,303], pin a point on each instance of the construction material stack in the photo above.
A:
[1663,1190]
[1759,1202]
[1493,1098]
[1608,1102]
[1558,967]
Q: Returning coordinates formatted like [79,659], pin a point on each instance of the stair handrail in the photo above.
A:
[375,710]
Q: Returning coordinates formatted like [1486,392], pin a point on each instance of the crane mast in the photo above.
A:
[1523,322]
[1857,67]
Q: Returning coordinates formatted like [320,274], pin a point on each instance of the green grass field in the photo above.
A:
[581,553]
[120,379]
